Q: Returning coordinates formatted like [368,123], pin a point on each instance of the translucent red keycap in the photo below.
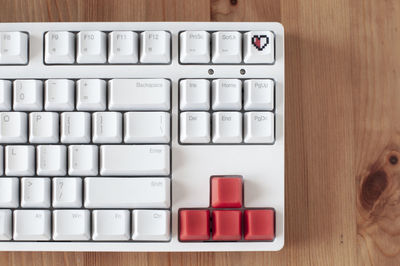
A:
[226,192]
[230,220]
[259,224]
[227,225]
[194,225]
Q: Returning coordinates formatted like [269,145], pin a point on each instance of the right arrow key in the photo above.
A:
[259,224]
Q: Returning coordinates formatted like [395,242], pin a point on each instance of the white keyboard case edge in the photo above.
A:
[262,166]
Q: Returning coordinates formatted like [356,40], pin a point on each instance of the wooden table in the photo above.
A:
[342,125]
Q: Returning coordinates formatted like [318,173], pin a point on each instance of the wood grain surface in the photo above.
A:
[342,125]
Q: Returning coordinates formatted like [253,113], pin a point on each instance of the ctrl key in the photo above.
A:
[194,225]
[259,224]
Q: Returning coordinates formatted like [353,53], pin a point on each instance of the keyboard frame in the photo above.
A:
[262,166]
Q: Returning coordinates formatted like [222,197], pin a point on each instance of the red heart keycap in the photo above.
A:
[260,41]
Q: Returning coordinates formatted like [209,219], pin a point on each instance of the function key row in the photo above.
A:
[227,47]
[123,47]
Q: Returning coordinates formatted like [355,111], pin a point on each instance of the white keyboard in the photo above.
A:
[142,136]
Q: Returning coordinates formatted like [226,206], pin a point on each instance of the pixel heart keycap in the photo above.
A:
[260,41]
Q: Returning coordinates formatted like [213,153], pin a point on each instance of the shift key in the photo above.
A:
[126,192]
[131,160]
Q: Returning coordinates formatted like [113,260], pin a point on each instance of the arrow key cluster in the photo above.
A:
[226,219]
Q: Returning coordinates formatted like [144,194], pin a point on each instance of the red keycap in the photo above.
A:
[226,192]
[227,225]
[194,225]
[259,224]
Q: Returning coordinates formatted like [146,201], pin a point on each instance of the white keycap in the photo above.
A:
[155,47]
[112,225]
[91,47]
[9,192]
[134,160]
[194,95]
[259,94]
[127,192]
[259,127]
[195,47]
[259,47]
[59,47]
[123,47]
[227,127]
[67,192]
[28,95]
[75,127]
[13,127]
[13,48]
[153,225]
[147,127]
[35,192]
[59,95]
[5,95]
[91,95]
[139,94]
[226,47]
[227,94]
[107,127]
[43,127]
[5,225]
[51,160]
[83,160]
[71,225]
[20,160]
[195,127]
[32,225]
[1,160]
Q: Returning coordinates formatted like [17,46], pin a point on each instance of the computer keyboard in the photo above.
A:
[144,136]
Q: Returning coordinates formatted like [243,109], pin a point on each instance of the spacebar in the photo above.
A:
[127,192]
